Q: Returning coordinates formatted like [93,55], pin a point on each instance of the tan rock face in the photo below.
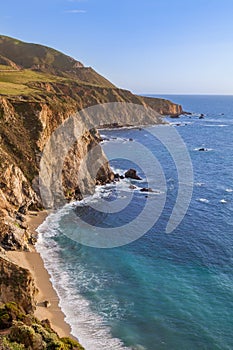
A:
[16,285]
[164,107]
[85,166]
[26,126]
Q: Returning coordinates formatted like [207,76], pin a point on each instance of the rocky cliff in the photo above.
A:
[16,284]
[164,107]
[40,90]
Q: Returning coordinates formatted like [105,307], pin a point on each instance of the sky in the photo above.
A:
[146,46]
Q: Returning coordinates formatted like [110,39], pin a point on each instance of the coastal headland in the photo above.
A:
[40,88]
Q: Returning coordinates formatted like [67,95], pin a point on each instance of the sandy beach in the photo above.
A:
[34,263]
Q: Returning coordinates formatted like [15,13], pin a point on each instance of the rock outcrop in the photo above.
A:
[132,174]
[164,107]
[16,284]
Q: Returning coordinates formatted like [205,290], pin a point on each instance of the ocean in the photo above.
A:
[161,291]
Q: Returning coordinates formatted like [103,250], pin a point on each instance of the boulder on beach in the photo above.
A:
[46,303]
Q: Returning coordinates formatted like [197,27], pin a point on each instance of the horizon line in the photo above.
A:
[182,94]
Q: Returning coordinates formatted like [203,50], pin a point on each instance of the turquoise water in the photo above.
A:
[163,291]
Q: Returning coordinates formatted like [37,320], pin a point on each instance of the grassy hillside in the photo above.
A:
[44,59]
[15,82]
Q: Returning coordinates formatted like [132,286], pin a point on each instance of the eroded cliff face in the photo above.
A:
[27,124]
[164,107]
[16,284]
[85,167]
[26,127]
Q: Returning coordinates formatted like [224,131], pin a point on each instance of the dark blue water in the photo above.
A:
[163,291]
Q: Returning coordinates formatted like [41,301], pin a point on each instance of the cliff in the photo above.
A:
[164,107]
[16,284]
[40,89]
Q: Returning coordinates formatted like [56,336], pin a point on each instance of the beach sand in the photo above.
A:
[34,263]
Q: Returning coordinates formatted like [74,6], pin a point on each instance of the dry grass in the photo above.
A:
[25,76]
[15,82]
[14,89]
[4,67]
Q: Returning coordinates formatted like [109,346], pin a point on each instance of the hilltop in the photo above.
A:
[44,59]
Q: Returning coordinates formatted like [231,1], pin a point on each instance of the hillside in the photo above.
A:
[23,66]
[40,58]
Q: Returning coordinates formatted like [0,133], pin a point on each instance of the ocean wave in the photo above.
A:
[223,201]
[203,200]
[216,125]
[115,140]
[86,325]
[204,149]
[229,190]
[180,123]
[199,184]
[118,170]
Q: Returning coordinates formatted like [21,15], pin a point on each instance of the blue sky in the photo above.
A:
[149,46]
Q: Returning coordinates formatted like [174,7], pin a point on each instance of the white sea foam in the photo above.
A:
[86,325]
[216,125]
[199,184]
[203,200]
[206,149]
[179,123]
[223,201]
[229,190]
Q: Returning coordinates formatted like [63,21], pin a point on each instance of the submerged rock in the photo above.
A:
[144,189]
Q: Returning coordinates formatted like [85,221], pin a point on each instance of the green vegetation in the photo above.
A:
[26,332]
[25,76]
[18,82]
[4,67]
[8,345]
[8,313]
[14,89]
